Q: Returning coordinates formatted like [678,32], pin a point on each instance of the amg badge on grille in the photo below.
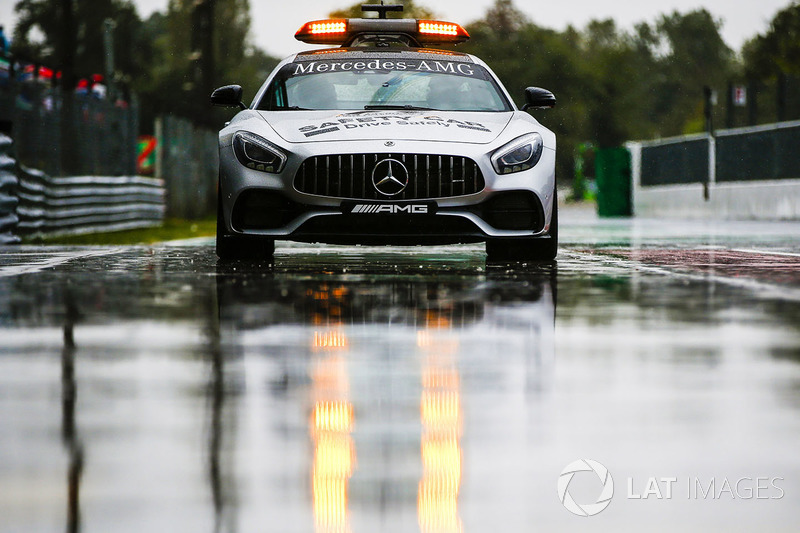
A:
[393,209]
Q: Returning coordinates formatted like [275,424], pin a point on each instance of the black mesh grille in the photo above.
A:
[350,176]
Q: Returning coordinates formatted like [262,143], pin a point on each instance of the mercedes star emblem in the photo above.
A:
[390,177]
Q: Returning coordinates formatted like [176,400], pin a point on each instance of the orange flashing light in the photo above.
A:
[328,26]
[331,31]
[438,31]
[340,31]
[437,28]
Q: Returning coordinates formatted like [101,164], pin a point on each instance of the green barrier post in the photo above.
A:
[613,174]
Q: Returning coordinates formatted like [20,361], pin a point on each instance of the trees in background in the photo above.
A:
[777,51]
[611,85]
[686,52]
[195,47]
[411,10]
[171,61]
[772,67]
[40,33]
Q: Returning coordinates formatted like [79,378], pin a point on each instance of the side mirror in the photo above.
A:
[538,98]
[228,96]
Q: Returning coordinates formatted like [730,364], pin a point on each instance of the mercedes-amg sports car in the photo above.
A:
[386,141]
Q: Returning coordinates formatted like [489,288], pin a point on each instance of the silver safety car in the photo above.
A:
[385,140]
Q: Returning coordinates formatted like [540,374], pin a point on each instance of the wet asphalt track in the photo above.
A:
[405,389]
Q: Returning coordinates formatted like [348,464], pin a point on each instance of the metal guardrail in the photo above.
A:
[75,205]
[8,198]
[34,204]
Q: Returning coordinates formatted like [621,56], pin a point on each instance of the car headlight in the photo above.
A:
[257,153]
[520,154]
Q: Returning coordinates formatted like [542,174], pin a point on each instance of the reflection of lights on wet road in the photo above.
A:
[331,424]
[329,339]
[328,301]
[335,417]
[440,411]
[334,457]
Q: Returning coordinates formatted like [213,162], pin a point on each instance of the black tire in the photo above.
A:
[535,249]
[230,247]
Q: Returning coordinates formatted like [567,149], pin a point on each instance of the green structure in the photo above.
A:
[613,175]
[580,186]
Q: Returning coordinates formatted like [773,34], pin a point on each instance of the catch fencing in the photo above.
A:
[187,159]
[50,206]
[71,167]
[743,173]
[74,134]
[84,150]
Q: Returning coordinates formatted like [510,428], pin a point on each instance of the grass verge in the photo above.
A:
[172,229]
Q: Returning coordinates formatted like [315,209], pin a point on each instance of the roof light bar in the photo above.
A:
[330,26]
[441,32]
[343,31]
[331,31]
[426,27]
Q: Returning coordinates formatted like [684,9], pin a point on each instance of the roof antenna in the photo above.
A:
[381,8]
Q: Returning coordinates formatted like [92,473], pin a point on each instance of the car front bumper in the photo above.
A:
[517,205]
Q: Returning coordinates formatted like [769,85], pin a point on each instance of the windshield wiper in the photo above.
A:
[406,107]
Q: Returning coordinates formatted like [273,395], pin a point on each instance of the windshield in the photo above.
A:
[383,84]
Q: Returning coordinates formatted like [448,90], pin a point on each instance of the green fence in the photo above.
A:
[674,162]
[768,153]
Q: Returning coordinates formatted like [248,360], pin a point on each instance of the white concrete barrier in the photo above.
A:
[756,199]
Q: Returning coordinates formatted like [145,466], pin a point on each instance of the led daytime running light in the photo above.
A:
[240,141]
[506,161]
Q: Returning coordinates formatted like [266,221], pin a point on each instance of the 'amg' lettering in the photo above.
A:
[411,209]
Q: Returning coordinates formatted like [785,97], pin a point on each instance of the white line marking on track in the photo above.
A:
[59,259]
[764,252]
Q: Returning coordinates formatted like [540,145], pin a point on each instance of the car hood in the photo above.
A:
[437,126]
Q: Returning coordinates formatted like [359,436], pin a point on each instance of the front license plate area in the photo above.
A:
[389,209]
